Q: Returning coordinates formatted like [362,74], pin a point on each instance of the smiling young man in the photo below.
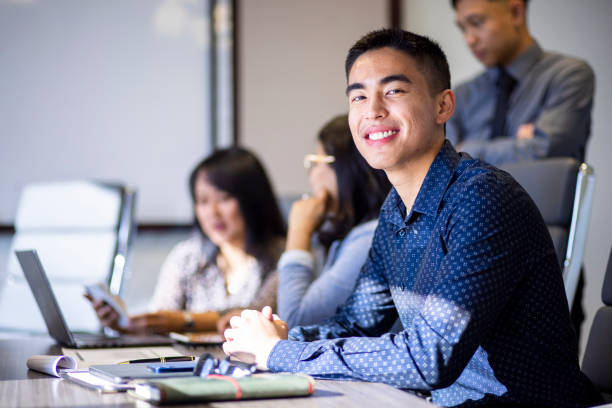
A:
[461,256]
[528,103]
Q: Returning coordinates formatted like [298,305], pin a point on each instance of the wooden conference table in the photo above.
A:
[20,387]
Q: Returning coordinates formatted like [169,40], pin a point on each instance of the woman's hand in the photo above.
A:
[107,316]
[305,217]
[158,322]
[163,321]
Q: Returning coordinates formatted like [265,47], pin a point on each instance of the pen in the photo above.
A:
[160,359]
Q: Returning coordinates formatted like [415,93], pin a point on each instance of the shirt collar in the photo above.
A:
[520,66]
[209,250]
[393,209]
[432,190]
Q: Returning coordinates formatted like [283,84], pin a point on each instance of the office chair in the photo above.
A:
[597,359]
[562,189]
[82,231]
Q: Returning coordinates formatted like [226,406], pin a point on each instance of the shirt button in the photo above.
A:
[402,233]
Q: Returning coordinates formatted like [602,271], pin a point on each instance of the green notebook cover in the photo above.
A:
[218,388]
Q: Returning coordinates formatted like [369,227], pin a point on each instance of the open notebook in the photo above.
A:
[54,319]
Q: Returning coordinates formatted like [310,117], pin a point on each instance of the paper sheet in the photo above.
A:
[88,380]
[86,357]
[51,364]
[203,338]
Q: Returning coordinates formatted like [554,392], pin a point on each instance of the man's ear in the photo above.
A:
[445,104]
[517,10]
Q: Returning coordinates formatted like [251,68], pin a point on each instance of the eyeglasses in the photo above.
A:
[207,365]
[311,159]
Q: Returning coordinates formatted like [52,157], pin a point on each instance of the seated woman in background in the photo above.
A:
[343,212]
[228,262]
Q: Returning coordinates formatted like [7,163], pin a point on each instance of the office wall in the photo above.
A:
[109,89]
[291,79]
[106,89]
[578,28]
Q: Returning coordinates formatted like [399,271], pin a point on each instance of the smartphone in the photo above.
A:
[172,367]
[99,291]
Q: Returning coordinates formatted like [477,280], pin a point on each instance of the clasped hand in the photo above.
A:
[252,336]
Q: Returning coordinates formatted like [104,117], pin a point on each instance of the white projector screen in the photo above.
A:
[108,90]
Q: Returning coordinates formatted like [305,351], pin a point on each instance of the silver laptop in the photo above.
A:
[54,319]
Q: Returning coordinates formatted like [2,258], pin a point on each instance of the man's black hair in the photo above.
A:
[427,54]
[454,3]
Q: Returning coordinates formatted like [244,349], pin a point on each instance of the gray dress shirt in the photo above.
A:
[554,92]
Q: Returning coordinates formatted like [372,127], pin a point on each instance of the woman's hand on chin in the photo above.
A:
[305,217]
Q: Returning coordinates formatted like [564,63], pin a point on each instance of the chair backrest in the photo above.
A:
[597,359]
[82,232]
[562,189]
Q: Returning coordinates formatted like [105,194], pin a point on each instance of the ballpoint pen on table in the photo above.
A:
[160,359]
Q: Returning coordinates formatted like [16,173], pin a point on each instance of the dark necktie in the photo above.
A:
[505,85]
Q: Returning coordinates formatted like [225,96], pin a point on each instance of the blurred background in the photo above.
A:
[139,91]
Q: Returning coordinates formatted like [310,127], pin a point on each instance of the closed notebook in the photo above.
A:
[219,388]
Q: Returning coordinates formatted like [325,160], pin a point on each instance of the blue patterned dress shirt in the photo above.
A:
[472,273]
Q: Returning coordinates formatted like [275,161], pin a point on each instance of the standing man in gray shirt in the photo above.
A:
[528,103]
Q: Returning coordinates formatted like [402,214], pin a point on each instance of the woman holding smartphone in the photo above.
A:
[228,263]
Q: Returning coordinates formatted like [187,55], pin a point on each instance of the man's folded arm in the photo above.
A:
[561,128]
[565,118]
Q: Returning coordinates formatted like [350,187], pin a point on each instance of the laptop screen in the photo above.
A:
[41,288]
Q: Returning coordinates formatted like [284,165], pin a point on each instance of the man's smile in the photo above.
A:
[380,134]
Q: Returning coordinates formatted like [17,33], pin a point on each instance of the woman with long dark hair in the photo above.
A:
[227,263]
[343,212]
